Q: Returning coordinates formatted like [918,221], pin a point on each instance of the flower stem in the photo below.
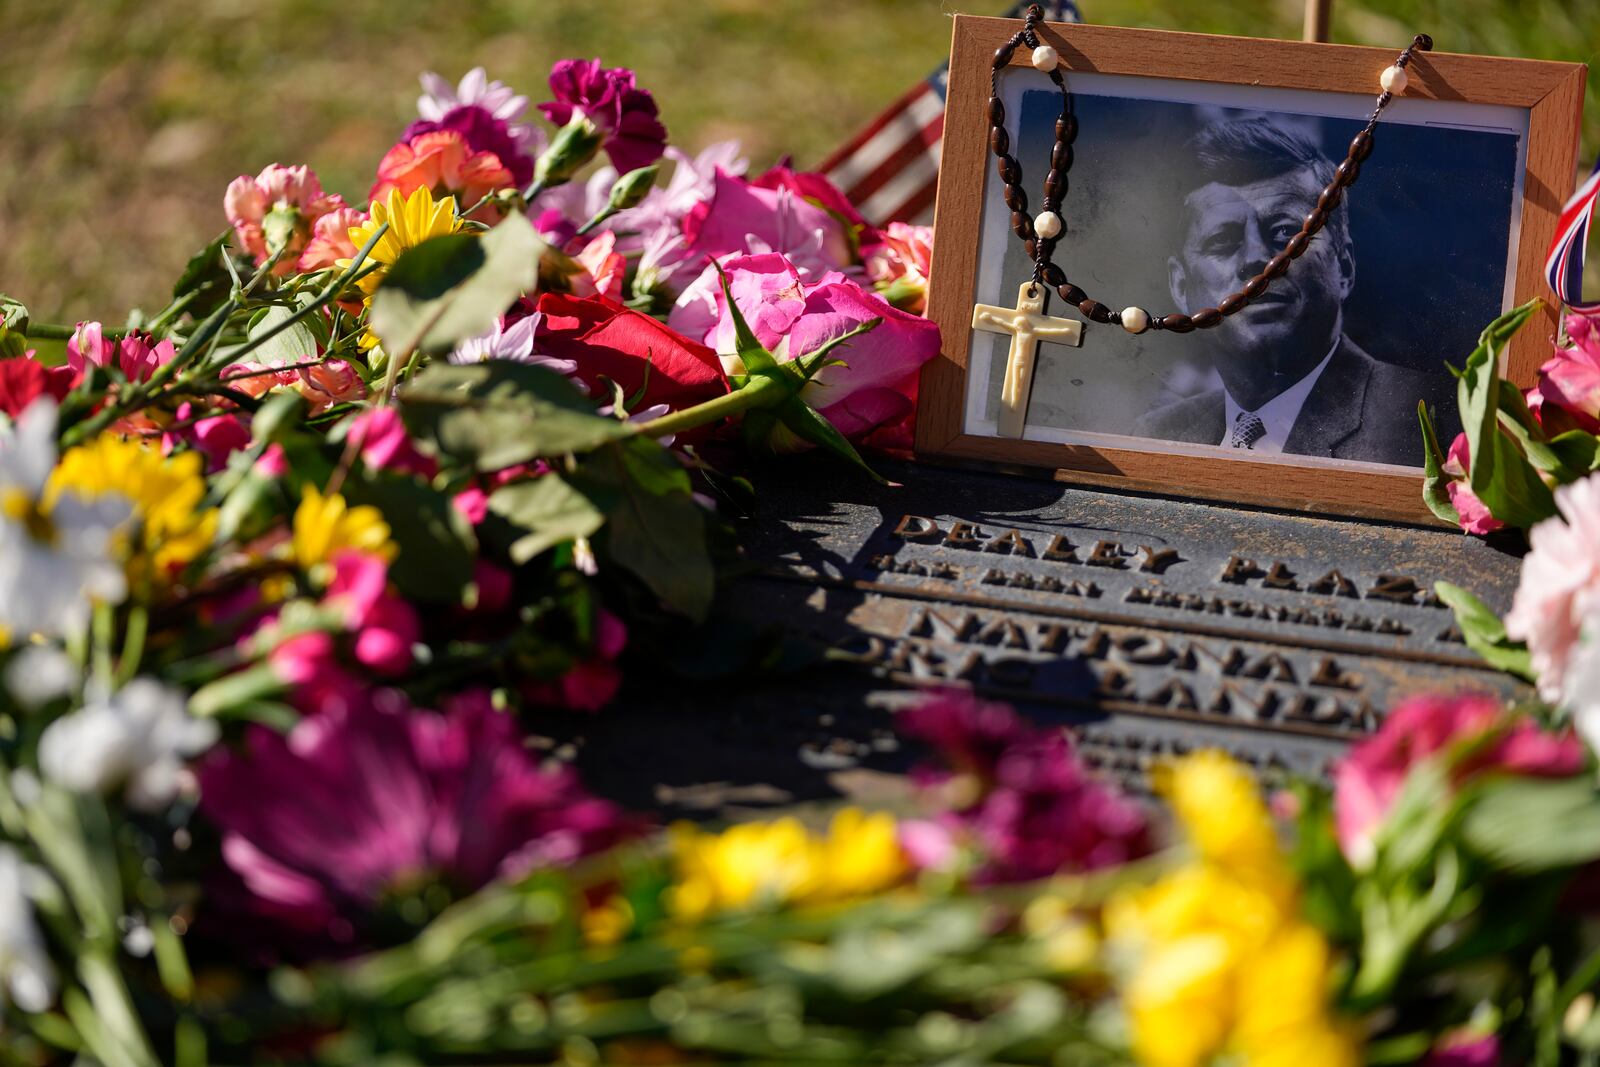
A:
[759,391]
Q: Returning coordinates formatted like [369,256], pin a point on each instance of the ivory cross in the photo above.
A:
[1028,325]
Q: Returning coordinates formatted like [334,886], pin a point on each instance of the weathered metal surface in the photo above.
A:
[1147,626]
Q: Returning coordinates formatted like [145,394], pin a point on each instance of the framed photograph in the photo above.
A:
[1195,159]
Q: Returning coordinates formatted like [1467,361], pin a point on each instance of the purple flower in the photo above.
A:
[608,99]
[321,826]
[1017,795]
[483,132]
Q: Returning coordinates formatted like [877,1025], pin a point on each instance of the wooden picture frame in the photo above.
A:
[1551,93]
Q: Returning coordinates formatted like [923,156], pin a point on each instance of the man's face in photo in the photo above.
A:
[1230,233]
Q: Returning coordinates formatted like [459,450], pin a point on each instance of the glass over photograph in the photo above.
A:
[1181,192]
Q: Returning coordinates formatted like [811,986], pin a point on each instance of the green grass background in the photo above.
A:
[122,121]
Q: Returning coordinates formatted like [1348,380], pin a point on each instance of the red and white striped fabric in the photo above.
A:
[890,170]
[1564,266]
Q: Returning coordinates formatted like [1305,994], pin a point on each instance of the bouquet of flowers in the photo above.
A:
[288,565]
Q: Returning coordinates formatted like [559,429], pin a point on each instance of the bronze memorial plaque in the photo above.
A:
[1147,626]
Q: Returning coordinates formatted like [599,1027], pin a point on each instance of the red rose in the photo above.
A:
[22,381]
[611,342]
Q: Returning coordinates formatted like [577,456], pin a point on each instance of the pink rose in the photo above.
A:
[741,217]
[1560,584]
[817,189]
[1570,379]
[331,382]
[1370,777]
[1475,516]
[794,318]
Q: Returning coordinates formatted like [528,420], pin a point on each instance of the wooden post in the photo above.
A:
[1318,14]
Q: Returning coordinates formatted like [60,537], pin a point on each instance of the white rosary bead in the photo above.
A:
[1047,224]
[1393,80]
[1045,58]
[1135,319]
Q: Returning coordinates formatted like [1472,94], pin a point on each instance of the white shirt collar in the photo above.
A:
[1280,413]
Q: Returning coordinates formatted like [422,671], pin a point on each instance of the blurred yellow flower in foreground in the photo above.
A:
[325,525]
[1224,963]
[169,528]
[781,862]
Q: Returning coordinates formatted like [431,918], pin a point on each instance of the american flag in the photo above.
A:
[1564,265]
[890,170]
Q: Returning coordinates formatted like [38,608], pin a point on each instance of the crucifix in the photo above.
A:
[1028,325]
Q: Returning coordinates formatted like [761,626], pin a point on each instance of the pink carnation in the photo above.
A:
[603,267]
[330,239]
[1560,584]
[216,437]
[900,264]
[741,217]
[384,443]
[1475,516]
[278,208]
[1570,379]
[383,626]
[1369,779]
[444,163]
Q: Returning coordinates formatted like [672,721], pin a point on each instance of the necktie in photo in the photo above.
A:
[1247,430]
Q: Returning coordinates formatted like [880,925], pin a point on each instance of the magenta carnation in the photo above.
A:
[608,98]
[1369,780]
[319,827]
[1019,796]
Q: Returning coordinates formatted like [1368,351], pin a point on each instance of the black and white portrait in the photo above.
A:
[1179,195]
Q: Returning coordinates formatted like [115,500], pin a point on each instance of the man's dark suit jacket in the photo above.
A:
[1359,409]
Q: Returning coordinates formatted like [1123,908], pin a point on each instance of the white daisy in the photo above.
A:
[55,561]
[138,738]
[439,98]
[513,343]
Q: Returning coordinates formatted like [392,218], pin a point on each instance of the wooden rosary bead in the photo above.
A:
[1315,221]
[1347,172]
[1233,303]
[1054,276]
[1070,293]
[1021,224]
[1055,185]
[1067,129]
[1095,311]
[1016,199]
[1002,55]
[999,141]
[1256,286]
[997,112]
[1361,146]
[1177,323]
[1330,197]
[1206,318]
[1010,172]
[1297,245]
[1277,266]
[1061,156]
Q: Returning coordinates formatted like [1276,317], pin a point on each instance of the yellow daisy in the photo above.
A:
[170,529]
[412,220]
[325,525]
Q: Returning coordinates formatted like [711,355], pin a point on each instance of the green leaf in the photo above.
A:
[808,425]
[1484,633]
[751,352]
[1529,825]
[1507,483]
[206,277]
[654,528]
[455,286]
[13,314]
[435,540]
[297,344]
[549,509]
[493,415]
[1434,481]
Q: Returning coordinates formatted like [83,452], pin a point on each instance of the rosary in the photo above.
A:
[1026,323]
